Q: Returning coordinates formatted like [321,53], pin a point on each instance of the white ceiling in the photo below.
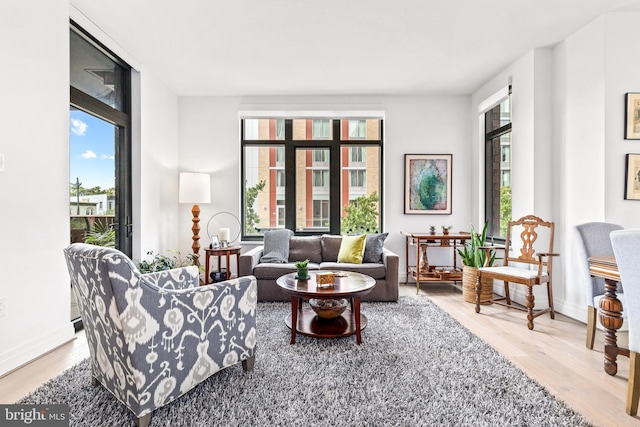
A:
[336,47]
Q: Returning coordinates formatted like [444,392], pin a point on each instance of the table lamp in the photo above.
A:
[195,188]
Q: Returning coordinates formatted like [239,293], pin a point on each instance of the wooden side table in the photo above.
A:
[222,252]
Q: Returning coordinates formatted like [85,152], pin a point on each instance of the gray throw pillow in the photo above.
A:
[373,247]
[276,246]
[330,247]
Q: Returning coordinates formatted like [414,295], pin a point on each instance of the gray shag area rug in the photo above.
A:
[417,366]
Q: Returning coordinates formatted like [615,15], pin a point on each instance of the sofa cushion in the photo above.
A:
[352,249]
[375,270]
[273,271]
[276,246]
[330,247]
[305,247]
[374,247]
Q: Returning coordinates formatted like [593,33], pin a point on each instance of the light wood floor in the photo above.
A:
[554,354]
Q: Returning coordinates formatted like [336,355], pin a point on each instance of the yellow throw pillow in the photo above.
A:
[352,249]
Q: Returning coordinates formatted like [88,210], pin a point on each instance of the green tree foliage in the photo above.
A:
[505,209]
[361,215]
[91,191]
[101,234]
[252,219]
[160,262]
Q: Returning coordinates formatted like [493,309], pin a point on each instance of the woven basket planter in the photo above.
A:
[469,278]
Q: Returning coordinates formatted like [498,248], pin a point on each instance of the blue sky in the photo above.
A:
[91,151]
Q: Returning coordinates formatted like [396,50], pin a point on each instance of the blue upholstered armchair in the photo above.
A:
[153,337]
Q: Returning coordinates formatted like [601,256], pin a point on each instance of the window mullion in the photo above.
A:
[289,176]
[335,205]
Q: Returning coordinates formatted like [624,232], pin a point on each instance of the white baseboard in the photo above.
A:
[19,356]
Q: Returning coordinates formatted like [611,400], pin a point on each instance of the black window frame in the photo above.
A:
[122,119]
[489,154]
[333,143]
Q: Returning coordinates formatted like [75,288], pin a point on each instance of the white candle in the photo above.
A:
[224,234]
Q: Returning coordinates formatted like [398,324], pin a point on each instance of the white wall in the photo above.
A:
[568,140]
[155,180]
[209,142]
[621,64]
[532,177]
[593,69]
[35,141]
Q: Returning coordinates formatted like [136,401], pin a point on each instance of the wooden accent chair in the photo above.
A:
[626,248]
[518,269]
[153,337]
[593,240]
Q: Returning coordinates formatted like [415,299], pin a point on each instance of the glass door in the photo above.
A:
[99,146]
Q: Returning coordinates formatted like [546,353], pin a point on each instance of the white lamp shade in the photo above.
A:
[195,188]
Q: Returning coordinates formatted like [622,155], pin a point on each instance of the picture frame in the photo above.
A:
[215,242]
[632,177]
[427,184]
[632,116]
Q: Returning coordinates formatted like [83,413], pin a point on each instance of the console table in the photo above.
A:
[423,241]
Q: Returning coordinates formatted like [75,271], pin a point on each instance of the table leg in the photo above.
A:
[226,264]
[356,313]
[611,318]
[206,269]
[294,318]
[406,259]
[418,267]
[238,264]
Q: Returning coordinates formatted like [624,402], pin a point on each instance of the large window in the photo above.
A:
[306,177]
[498,168]
[99,143]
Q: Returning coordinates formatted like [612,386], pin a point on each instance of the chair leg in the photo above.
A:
[144,420]
[530,303]
[247,364]
[591,325]
[478,290]
[633,390]
[552,313]
[506,292]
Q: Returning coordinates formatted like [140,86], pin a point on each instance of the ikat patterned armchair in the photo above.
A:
[153,337]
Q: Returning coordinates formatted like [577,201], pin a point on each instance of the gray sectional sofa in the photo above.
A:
[322,253]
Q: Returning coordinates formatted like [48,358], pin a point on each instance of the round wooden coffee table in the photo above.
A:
[303,320]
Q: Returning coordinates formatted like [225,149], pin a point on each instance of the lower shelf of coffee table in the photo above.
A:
[311,325]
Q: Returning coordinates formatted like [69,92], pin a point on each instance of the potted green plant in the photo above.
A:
[303,269]
[473,257]
[160,262]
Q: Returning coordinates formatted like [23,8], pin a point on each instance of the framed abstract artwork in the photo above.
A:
[632,116]
[427,184]
[632,177]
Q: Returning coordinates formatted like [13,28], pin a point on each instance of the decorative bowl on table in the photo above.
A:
[328,308]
